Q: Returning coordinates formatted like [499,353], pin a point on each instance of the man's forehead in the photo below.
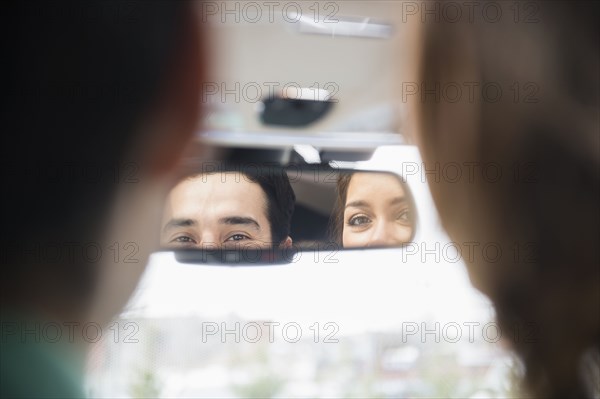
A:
[210,196]
[218,184]
[220,176]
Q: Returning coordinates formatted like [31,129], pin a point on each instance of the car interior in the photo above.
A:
[315,102]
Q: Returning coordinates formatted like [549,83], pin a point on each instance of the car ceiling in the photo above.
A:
[364,70]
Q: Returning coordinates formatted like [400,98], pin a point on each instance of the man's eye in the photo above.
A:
[184,240]
[359,220]
[238,237]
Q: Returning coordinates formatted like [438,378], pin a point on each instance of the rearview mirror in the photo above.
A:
[227,210]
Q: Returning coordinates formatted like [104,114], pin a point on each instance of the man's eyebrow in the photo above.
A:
[179,223]
[357,204]
[232,220]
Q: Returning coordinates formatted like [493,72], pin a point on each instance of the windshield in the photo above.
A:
[327,325]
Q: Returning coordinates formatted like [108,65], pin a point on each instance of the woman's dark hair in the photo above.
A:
[547,146]
[336,222]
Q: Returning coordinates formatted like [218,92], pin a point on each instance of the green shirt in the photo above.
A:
[33,368]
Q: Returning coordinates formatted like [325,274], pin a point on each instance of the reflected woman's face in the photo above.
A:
[377,212]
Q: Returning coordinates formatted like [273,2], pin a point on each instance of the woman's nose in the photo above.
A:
[383,235]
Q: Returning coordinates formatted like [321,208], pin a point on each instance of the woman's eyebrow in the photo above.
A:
[397,200]
[357,204]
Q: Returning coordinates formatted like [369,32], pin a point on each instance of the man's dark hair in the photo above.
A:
[281,200]
[78,77]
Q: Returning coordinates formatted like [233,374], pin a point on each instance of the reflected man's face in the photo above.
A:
[216,210]
[377,212]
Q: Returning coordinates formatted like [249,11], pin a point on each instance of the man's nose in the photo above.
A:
[208,241]
[383,235]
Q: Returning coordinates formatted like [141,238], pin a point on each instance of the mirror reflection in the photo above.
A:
[372,209]
[275,207]
[227,208]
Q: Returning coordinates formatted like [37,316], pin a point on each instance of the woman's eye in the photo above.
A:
[359,220]
[404,216]
[238,237]
[184,240]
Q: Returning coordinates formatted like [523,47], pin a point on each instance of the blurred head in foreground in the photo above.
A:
[99,99]
[229,210]
[540,204]
[372,210]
